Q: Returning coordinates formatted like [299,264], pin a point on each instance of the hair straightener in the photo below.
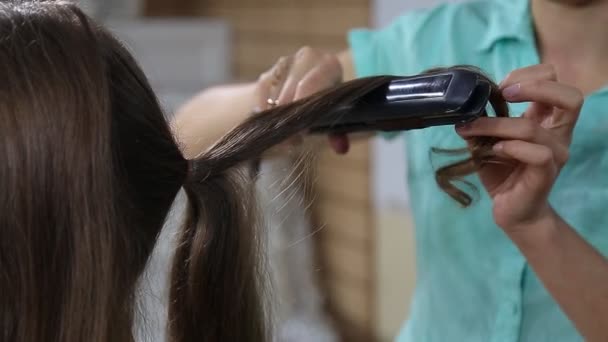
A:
[437,98]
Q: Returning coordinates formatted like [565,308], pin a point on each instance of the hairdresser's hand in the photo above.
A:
[535,146]
[298,76]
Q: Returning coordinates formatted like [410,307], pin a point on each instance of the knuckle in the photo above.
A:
[553,74]
[310,85]
[549,68]
[534,84]
[306,85]
[508,145]
[529,130]
[263,81]
[263,76]
[330,58]
[578,100]
[331,61]
[302,84]
[306,52]
[546,156]
[562,156]
[283,62]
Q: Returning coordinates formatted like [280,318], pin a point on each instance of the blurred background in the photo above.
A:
[343,269]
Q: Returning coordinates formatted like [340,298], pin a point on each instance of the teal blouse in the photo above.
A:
[472,282]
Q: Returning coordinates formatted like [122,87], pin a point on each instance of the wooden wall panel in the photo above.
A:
[299,4]
[347,261]
[352,301]
[344,222]
[255,53]
[264,30]
[331,22]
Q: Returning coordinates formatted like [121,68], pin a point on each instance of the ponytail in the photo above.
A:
[215,291]
[480,150]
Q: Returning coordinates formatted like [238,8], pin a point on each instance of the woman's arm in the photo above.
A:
[207,117]
[573,272]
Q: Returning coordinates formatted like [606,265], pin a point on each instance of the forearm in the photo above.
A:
[572,270]
[207,117]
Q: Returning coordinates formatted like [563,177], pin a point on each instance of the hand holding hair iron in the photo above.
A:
[445,97]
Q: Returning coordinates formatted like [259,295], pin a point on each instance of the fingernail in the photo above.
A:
[511,91]
[498,147]
[502,83]
[256,110]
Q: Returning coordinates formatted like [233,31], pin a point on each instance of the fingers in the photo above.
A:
[555,106]
[505,128]
[536,72]
[271,82]
[565,103]
[262,92]
[322,69]
[547,72]
[301,75]
[339,143]
[325,75]
[515,129]
[526,152]
[547,92]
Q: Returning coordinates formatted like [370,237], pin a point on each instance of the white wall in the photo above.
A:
[103,9]
[180,57]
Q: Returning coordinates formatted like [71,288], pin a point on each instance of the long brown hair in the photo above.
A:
[91,171]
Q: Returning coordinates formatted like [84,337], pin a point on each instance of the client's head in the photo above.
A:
[90,171]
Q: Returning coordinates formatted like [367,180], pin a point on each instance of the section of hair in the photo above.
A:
[480,149]
[206,272]
[217,276]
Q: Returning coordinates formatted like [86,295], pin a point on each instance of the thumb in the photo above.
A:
[339,143]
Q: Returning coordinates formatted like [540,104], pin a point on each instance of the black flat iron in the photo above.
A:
[438,98]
